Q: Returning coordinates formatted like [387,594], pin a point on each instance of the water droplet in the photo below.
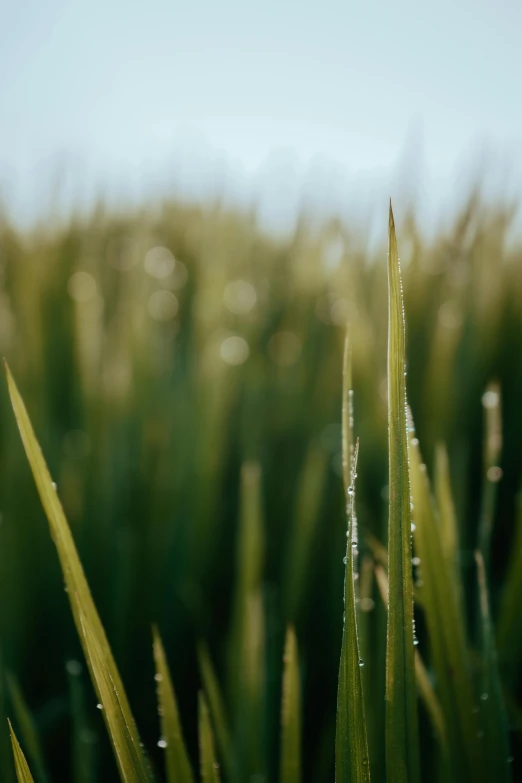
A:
[414,441]
[413,527]
[158,677]
[345,560]
[415,642]
[54,485]
[99,706]
[510,759]
[361,662]
[354,543]
[415,561]
[162,743]
[350,490]
[484,696]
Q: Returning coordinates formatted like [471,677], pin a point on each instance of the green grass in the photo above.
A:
[190,414]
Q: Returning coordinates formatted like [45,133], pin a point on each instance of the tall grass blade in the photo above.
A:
[492,451]
[209,765]
[291,713]
[493,710]
[216,705]
[128,750]
[23,772]
[402,742]
[27,729]
[449,533]
[351,744]
[424,685]
[445,624]
[176,756]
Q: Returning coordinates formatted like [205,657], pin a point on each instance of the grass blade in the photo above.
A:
[216,705]
[402,743]
[492,704]
[445,624]
[23,772]
[176,756]
[351,745]
[492,451]
[209,765]
[291,713]
[424,685]
[27,728]
[129,754]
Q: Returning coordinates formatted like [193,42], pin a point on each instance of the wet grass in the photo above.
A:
[183,374]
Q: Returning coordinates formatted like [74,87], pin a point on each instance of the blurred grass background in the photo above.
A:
[172,355]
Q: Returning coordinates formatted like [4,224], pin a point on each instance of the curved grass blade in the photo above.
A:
[176,756]
[27,728]
[291,713]
[492,704]
[130,757]
[351,744]
[402,742]
[445,624]
[216,705]
[23,773]
[209,765]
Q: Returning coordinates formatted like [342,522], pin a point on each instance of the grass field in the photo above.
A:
[183,373]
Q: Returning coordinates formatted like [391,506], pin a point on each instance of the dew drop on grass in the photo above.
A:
[484,697]
[99,706]
[162,743]
[361,662]
[158,677]
[345,560]
[413,527]
[350,490]
[54,485]
[415,642]
[415,561]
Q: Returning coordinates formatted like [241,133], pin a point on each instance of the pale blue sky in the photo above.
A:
[265,96]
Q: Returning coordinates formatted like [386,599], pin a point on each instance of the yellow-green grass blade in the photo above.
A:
[351,744]
[402,741]
[129,759]
[424,685]
[445,624]
[492,451]
[493,712]
[216,705]
[132,764]
[509,627]
[23,773]
[209,765]
[27,728]
[291,713]
[176,756]
[449,533]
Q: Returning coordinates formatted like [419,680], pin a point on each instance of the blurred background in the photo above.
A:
[193,205]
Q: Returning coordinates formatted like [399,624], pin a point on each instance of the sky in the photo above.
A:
[339,104]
